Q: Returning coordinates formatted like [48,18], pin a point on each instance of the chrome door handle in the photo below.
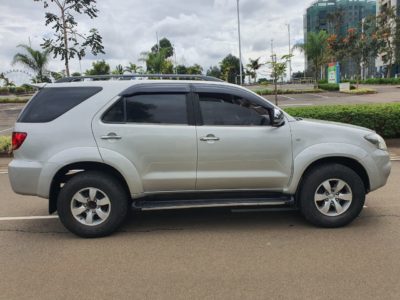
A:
[209,137]
[111,136]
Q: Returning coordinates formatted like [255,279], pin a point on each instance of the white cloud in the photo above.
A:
[202,31]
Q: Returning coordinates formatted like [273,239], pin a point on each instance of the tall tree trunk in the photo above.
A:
[65,43]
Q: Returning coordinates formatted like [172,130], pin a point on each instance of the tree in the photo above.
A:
[119,70]
[157,62]
[315,50]
[214,71]
[166,45]
[196,69]
[35,60]
[253,66]
[181,69]
[388,34]
[230,68]
[278,70]
[99,68]
[7,82]
[76,74]
[133,68]
[67,41]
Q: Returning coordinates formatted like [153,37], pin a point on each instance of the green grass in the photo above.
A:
[383,118]
[287,92]
[5,144]
[14,100]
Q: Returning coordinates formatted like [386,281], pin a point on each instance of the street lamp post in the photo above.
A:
[240,44]
[290,53]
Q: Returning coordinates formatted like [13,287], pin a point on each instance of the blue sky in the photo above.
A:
[202,31]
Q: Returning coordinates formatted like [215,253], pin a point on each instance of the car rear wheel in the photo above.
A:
[331,195]
[92,204]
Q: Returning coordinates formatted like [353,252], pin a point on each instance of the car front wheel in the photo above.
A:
[332,195]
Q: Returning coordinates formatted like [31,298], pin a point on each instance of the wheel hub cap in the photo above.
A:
[90,206]
[333,197]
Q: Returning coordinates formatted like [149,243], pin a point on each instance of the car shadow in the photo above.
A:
[211,219]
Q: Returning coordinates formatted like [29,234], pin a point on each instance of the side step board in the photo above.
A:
[204,203]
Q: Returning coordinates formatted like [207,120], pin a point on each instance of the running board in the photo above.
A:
[200,203]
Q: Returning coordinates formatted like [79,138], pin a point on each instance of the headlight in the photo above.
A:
[377,140]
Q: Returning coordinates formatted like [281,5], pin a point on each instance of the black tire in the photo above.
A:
[111,187]
[314,178]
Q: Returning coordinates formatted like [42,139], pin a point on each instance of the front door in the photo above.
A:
[237,147]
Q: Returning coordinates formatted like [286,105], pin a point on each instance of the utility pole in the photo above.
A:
[290,53]
[240,44]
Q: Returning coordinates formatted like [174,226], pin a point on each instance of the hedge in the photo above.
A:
[393,81]
[332,87]
[5,144]
[19,90]
[382,118]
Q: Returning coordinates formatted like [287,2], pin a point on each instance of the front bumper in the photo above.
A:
[379,169]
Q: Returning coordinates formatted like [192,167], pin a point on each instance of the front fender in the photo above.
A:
[309,155]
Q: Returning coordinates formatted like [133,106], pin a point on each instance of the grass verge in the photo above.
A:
[287,92]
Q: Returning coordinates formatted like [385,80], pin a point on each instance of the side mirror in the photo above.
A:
[278,118]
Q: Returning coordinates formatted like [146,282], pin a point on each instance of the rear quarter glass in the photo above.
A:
[50,103]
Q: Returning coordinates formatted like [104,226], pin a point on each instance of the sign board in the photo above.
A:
[344,87]
[333,73]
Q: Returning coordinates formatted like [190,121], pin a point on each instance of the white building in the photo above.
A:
[381,4]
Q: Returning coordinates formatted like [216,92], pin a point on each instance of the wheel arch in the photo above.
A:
[67,172]
[341,160]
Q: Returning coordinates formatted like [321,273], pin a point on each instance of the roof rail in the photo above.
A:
[134,76]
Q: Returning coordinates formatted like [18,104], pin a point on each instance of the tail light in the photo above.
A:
[18,139]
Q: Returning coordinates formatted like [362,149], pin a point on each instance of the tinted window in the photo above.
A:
[224,109]
[157,108]
[116,114]
[50,103]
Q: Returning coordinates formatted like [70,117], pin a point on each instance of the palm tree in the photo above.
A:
[315,50]
[133,68]
[119,70]
[253,67]
[35,60]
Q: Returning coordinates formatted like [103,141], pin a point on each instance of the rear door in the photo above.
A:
[238,149]
[152,127]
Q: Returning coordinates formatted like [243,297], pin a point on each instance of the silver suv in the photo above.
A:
[96,147]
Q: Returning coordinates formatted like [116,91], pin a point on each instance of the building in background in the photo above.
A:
[380,65]
[336,17]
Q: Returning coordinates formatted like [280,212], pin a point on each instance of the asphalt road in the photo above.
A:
[203,254]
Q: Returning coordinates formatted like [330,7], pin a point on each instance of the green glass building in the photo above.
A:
[336,17]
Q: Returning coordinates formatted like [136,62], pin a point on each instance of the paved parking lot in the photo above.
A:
[385,94]
[203,254]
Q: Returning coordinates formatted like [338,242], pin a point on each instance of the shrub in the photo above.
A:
[5,144]
[361,92]
[382,118]
[382,81]
[332,87]
[4,91]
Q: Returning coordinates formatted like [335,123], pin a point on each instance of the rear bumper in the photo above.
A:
[24,176]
